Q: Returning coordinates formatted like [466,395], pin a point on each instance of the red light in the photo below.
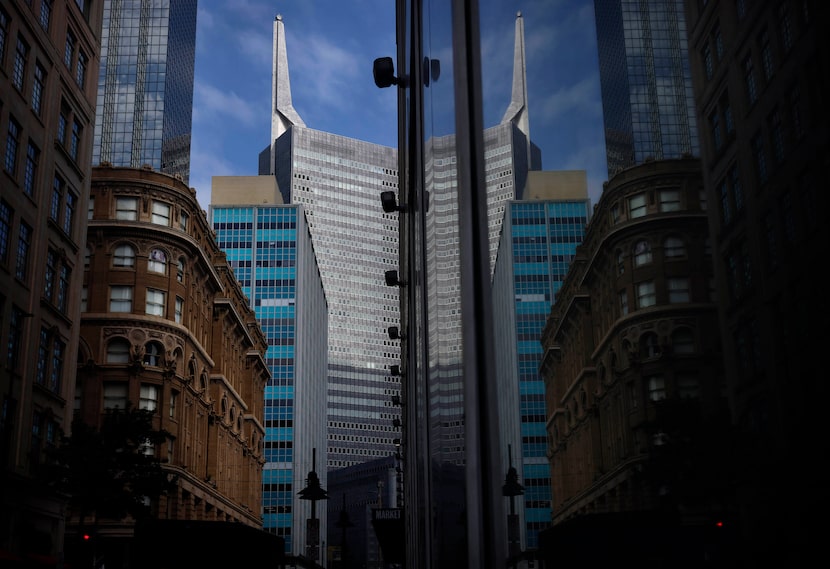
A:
[86,537]
[719,524]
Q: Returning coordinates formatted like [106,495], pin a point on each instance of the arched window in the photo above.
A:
[649,346]
[620,262]
[180,270]
[642,253]
[674,247]
[683,341]
[157,262]
[118,351]
[124,256]
[153,353]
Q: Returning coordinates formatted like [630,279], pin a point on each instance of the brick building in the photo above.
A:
[760,78]
[165,326]
[48,81]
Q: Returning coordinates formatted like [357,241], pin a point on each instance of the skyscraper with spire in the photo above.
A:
[647,100]
[145,85]
[441,429]
[338,180]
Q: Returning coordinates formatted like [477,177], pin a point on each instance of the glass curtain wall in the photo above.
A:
[455,512]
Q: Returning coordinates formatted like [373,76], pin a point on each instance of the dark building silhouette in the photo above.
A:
[761,84]
[48,78]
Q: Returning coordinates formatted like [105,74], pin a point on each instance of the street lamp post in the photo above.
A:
[512,488]
[313,492]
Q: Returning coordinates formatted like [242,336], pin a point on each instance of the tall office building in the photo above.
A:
[760,77]
[338,181]
[145,86]
[539,238]
[647,101]
[269,247]
[48,65]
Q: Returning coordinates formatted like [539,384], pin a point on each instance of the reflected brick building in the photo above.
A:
[166,327]
[637,416]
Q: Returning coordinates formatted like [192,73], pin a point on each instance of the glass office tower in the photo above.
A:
[338,181]
[539,238]
[647,100]
[145,85]
[270,249]
[457,178]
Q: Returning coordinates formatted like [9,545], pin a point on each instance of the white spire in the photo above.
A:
[283,114]
[517,110]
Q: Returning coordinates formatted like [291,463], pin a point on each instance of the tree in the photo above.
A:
[110,472]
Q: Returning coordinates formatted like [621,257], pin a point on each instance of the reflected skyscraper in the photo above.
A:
[539,238]
[338,180]
[145,86]
[647,101]
[452,423]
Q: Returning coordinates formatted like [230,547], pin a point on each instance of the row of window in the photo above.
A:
[74,57]
[121,300]
[115,397]
[70,128]
[785,125]
[58,269]
[119,351]
[636,205]
[674,247]
[678,291]
[51,351]
[126,209]
[124,256]
[63,199]
[21,248]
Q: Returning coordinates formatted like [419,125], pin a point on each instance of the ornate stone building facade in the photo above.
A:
[635,395]
[166,327]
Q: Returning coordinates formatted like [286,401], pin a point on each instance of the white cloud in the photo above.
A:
[329,72]
[580,97]
[210,101]
[258,46]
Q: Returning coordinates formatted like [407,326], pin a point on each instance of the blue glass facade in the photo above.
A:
[145,85]
[539,239]
[647,99]
[270,251]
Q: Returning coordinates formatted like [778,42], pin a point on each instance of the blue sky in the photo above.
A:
[331,46]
